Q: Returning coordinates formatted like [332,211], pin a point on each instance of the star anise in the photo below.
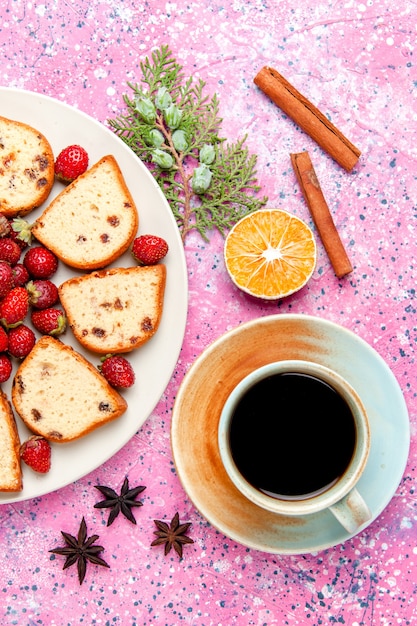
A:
[173,535]
[79,550]
[119,503]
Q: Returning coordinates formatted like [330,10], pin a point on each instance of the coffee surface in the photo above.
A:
[291,435]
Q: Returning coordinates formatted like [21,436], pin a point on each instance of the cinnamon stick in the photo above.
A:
[320,213]
[308,117]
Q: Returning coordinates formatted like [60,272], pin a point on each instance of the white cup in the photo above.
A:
[285,444]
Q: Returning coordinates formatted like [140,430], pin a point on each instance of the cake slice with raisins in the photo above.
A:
[26,168]
[10,468]
[60,395]
[93,220]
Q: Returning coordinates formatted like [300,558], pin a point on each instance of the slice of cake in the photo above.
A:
[10,469]
[26,168]
[60,395]
[93,220]
[115,310]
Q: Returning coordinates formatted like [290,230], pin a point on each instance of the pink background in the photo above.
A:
[356,62]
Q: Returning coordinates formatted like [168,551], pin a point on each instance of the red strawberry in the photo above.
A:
[149,249]
[5,368]
[14,307]
[20,275]
[4,340]
[117,371]
[6,279]
[42,293]
[10,251]
[70,163]
[40,262]
[21,341]
[49,321]
[36,453]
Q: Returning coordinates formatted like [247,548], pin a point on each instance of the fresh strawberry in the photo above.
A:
[10,251]
[21,341]
[21,232]
[49,321]
[20,275]
[6,279]
[149,249]
[42,293]
[5,368]
[4,340]
[40,262]
[14,307]
[70,163]
[117,371]
[36,453]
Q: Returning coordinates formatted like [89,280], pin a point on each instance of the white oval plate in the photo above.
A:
[222,366]
[154,362]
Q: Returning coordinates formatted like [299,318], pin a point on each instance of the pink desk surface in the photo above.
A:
[356,61]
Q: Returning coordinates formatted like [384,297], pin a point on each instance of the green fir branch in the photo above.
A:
[173,127]
[163,71]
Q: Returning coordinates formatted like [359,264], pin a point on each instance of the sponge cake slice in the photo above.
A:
[60,395]
[115,310]
[10,469]
[26,168]
[92,221]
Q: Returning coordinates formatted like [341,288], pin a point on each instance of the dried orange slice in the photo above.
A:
[270,253]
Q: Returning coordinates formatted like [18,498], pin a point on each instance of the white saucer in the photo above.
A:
[216,372]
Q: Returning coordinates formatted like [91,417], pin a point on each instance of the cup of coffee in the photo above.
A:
[294,438]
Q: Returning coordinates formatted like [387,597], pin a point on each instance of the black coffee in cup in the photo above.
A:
[291,435]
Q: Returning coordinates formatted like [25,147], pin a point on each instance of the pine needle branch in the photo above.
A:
[173,127]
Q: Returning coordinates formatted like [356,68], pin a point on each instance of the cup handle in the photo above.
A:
[351,511]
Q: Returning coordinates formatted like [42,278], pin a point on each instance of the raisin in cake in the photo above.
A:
[115,310]
[26,168]
[93,220]
[60,395]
